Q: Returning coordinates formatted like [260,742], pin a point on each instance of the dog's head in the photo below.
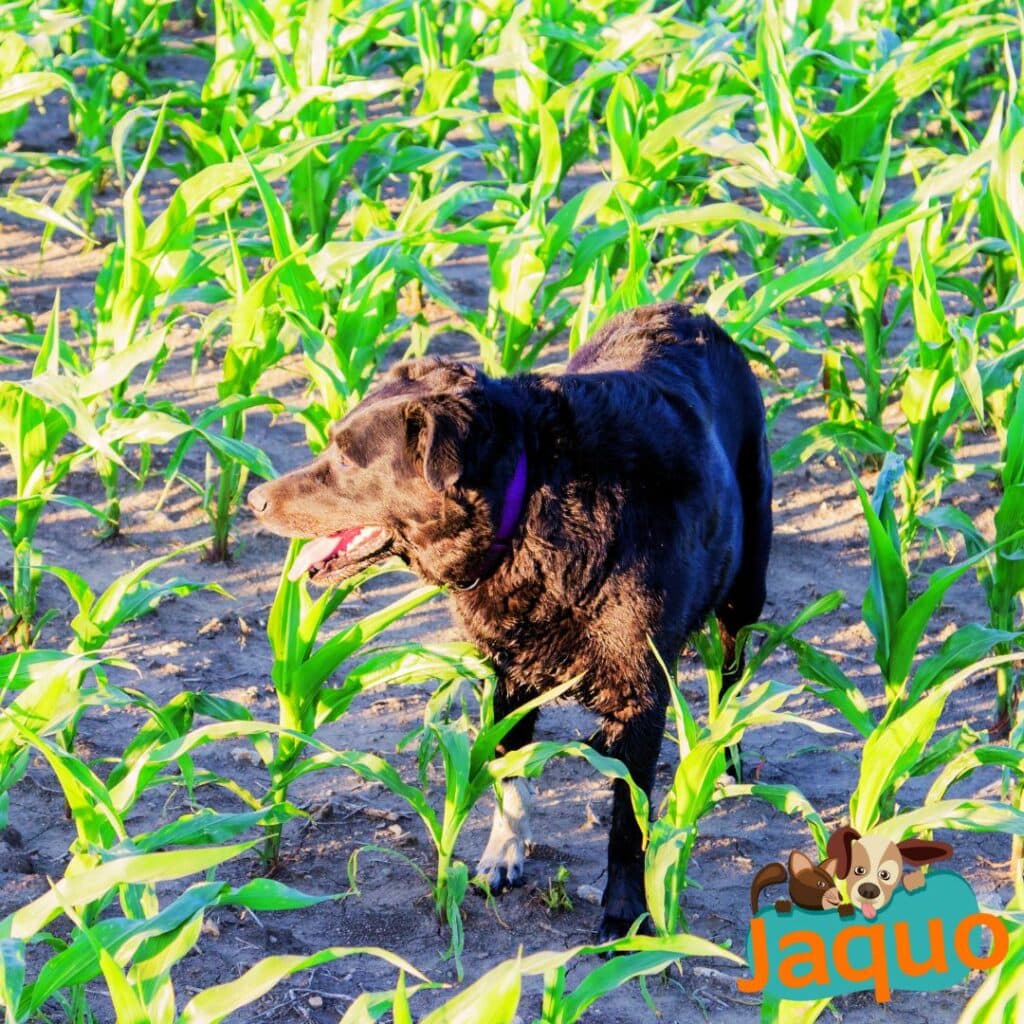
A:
[814,883]
[874,867]
[419,468]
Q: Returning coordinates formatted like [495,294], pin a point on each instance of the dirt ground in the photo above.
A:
[198,643]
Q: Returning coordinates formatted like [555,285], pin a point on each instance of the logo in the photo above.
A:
[894,928]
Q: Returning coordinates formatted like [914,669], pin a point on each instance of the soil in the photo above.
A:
[209,643]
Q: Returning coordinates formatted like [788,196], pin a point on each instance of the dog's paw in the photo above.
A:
[502,865]
[623,904]
[503,868]
[614,927]
[913,881]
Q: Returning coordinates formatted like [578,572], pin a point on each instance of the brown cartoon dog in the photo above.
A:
[811,886]
[875,866]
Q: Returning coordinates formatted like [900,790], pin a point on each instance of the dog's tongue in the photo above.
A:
[317,550]
[868,911]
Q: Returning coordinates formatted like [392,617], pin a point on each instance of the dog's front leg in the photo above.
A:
[503,861]
[502,864]
[637,743]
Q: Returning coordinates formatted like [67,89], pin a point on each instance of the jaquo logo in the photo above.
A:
[894,929]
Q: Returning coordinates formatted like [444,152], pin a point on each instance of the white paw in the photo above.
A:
[502,863]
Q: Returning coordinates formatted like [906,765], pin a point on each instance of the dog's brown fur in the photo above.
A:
[811,886]
[648,506]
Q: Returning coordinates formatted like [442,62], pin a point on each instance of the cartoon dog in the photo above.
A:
[874,866]
[811,886]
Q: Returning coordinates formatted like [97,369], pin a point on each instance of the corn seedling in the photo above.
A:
[471,768]
[31,433]
[556,897]
[302,668]
[703,761]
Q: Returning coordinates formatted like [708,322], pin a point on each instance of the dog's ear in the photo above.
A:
[839,845]
[921,851]
[798,863]
[434,437]
[413,369]
[829,866]
[450,373]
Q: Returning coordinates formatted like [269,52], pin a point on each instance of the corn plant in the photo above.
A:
[998,997]
[1003,144]
[95,389]
[471,768]
[704,758]
[999,568]
[301,667]
[470,765]
[31,432]
[41,695]
[228,462]
[496,996]
[128,598]
[136,952]
[899,745]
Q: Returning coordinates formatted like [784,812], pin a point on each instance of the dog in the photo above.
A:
[576,519]
[811,886]
[874,867]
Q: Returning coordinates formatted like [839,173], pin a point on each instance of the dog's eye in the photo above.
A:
[884,876]
[821,885]
[860,871]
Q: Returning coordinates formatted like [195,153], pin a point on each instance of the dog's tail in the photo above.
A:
[770,874]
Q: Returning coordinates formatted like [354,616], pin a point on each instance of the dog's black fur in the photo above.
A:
[648,506]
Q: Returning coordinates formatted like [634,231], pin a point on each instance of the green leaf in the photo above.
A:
[890,752]
[24,86]
[94,883]
[218,1002]
[12,975]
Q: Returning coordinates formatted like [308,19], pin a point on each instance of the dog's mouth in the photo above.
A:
[869,910]
[340,555]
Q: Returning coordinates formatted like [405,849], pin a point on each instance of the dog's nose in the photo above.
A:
[258,500]
[868,891]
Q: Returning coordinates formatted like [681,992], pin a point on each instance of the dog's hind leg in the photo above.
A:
[745,600]
[637,743]
[502,864]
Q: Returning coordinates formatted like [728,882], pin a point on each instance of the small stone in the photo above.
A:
[396,835]
[379,814]
[211,627]
[590,894]
[210,928]
[245,755]
[316,1002]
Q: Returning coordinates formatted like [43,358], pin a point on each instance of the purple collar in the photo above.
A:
[512,508]
[511,513]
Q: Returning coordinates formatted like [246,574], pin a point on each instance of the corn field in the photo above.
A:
[225,795]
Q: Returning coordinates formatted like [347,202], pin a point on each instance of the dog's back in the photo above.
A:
[692,364]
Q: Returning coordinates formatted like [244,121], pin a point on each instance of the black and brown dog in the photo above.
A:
[573,517]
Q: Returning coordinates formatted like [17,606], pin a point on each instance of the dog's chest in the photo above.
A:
[532,639]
